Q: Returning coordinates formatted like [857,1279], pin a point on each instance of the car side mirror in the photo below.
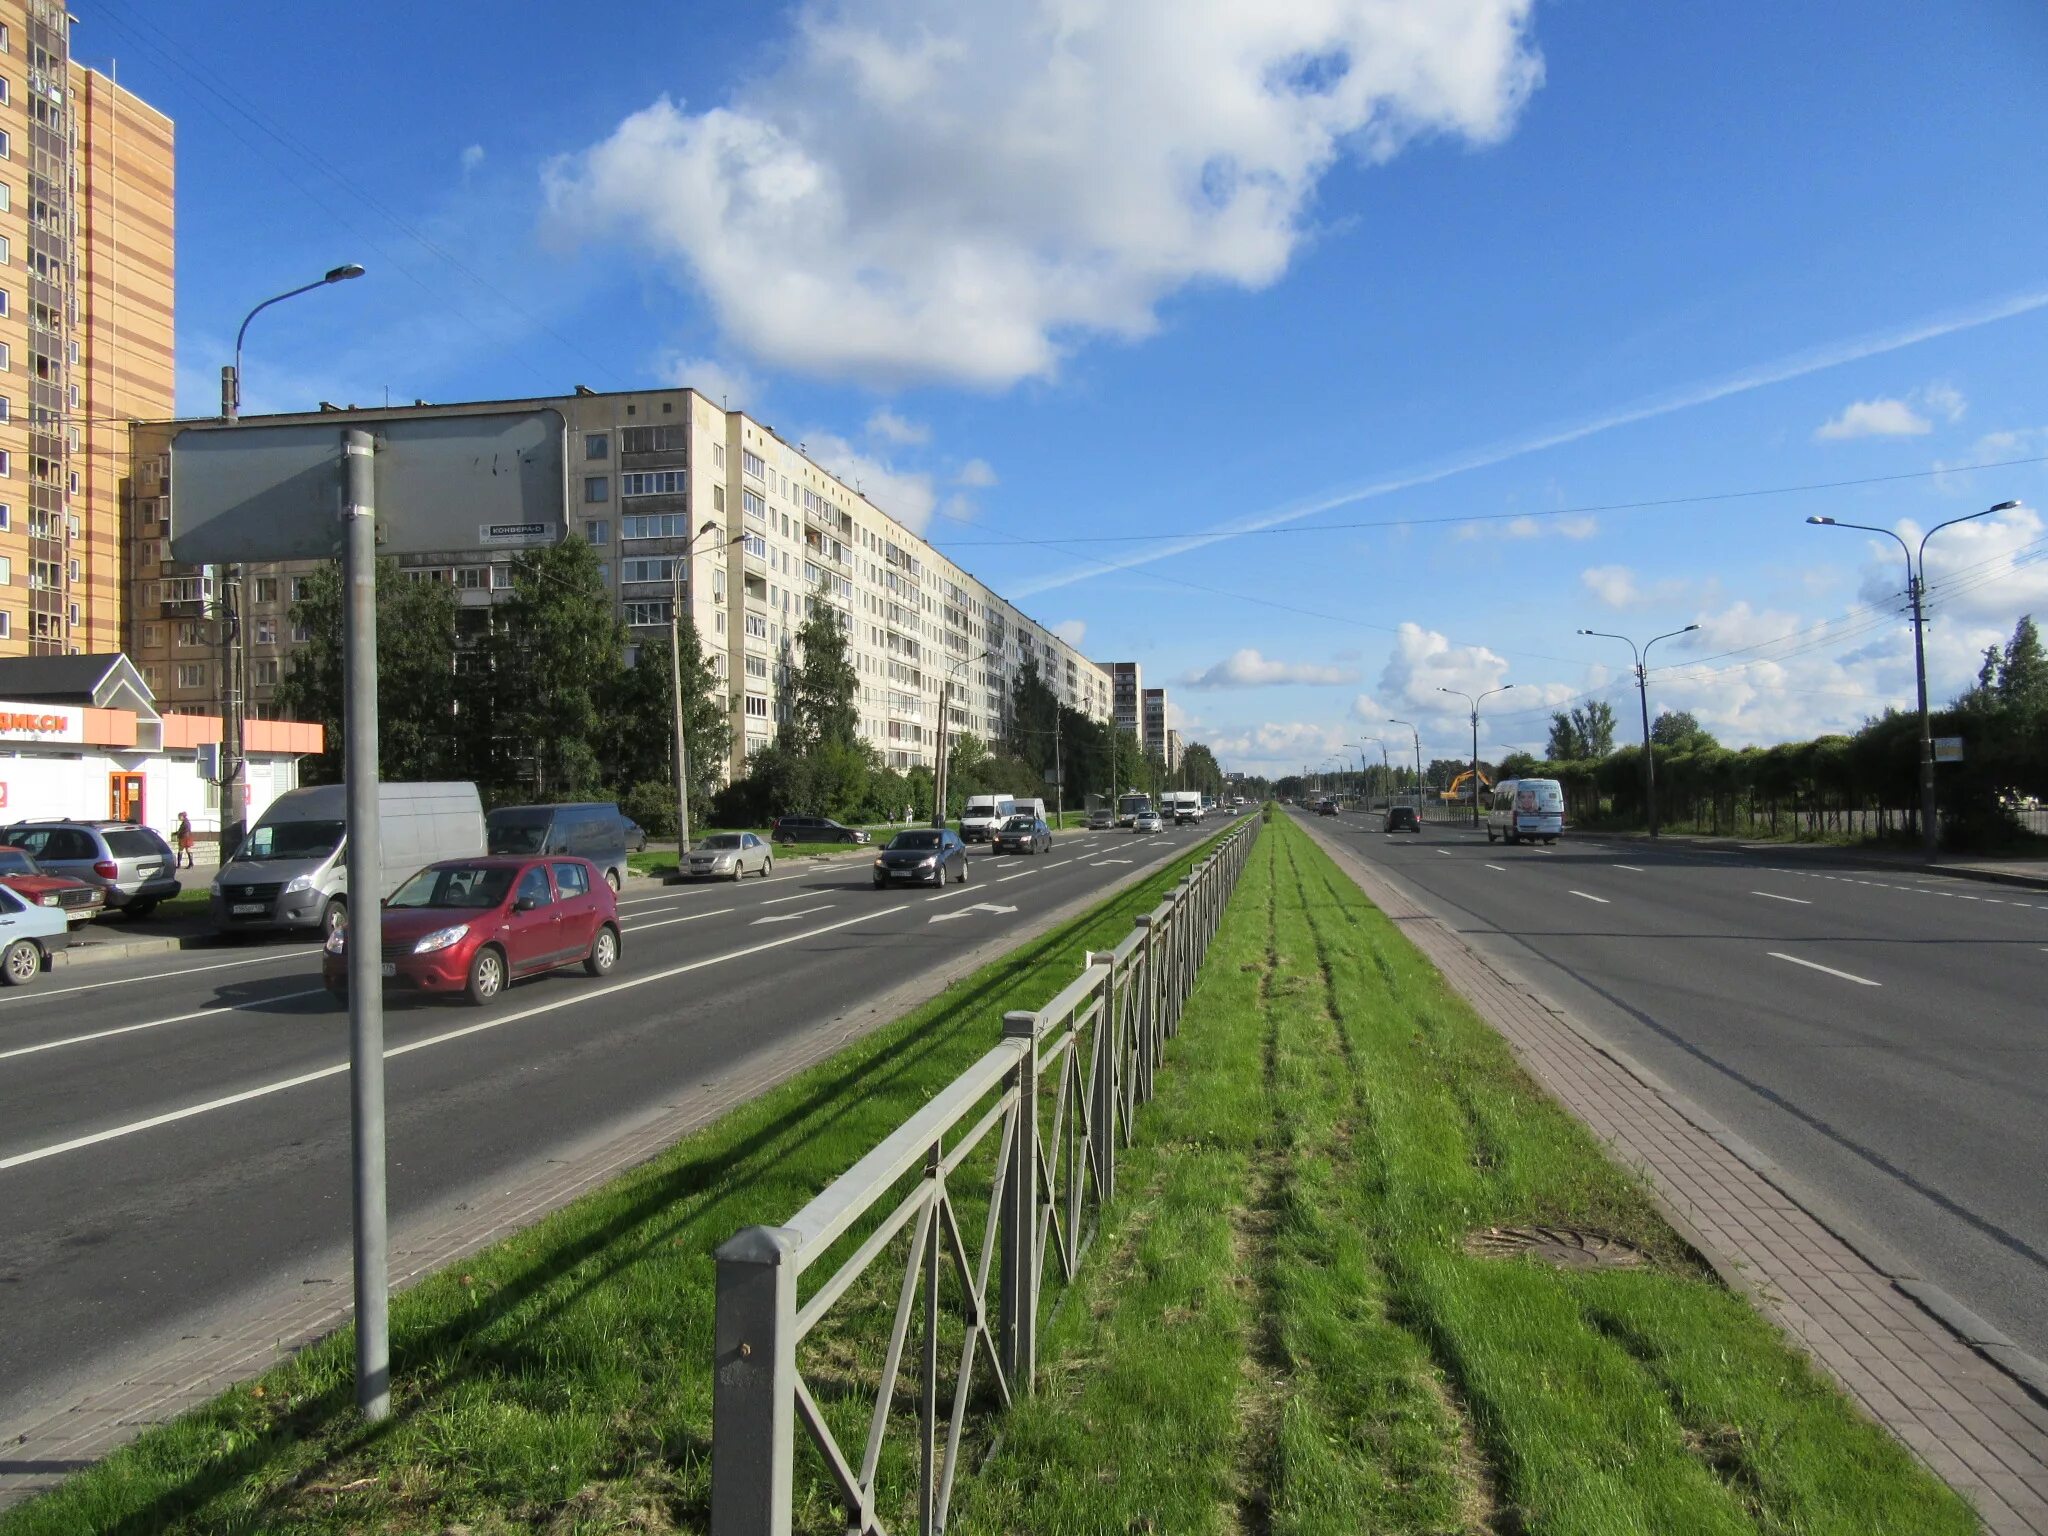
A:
[525,904]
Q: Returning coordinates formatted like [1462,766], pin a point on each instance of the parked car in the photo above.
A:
[635,835]
[1148,821]
[292,869]
[924,855]
[132,866]
[814,829]
[79,900]
[729,856]
[1102,819]
[474,926]
[29,934]
[590,829]
[1402,818]
[1024,834]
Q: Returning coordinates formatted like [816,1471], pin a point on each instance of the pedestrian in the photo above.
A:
[183,838]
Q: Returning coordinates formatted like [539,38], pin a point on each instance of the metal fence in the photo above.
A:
[1057,1098]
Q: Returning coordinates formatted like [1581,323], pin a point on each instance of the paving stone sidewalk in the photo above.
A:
[1976,1424]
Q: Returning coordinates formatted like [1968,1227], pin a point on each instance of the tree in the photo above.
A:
[639,731]
[1200,770]
[1587,731]
[415,674]
[1033,707]
[557,655]
[1678,730]
[823,686]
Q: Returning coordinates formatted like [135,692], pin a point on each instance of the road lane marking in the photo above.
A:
[1061,865]
[1633,869]
[1105,863]
[1814,965]
[1589,896]
[1800,901]
[979,906]
[1445,852]
[790,917]
[1501,867]
[688,917]
[776,901]
[177,1018]
[195,970]
[1003,879]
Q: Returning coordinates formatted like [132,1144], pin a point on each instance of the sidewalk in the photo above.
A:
[1969,1404]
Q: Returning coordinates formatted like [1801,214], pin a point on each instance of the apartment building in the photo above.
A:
[1173,751]
[1127,698]
[645,469]
[86,294]
[1154,739]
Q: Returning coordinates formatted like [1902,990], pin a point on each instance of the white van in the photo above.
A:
[984,813]
[1033,808]
[1525,810]
[292,869]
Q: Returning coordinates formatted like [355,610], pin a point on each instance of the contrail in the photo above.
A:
[1799,364]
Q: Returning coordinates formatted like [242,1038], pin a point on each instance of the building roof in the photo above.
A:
[87,680]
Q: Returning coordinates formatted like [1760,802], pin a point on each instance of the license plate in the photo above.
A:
[248,909]
[388,968]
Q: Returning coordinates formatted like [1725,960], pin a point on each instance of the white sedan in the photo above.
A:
[729,856]
[1149,821]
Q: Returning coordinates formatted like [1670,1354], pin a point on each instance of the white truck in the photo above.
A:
[1184,806]
[983,814]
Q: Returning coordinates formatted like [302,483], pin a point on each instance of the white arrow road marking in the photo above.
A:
[1589,896]
[790,917]
[1774,896]
[979,906]
[1103,863]
[1861,981]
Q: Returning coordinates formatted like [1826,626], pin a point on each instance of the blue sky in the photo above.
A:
[1172,270]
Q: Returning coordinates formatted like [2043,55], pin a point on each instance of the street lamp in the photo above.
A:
[232,690]
[1643,696]
[1916,590]
[1475,703]
[1417,735]
[944,771]
[675,673]
[1385,766]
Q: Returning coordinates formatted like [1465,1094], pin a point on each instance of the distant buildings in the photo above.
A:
[1154,738]
[1173,751]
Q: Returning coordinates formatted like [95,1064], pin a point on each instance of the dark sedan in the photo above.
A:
[1024,834]
[1402,818]
[922,857]
[813,829]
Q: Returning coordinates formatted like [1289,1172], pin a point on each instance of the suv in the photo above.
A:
[133,866]
[813,829]
[1402,818]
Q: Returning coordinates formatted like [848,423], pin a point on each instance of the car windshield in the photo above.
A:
[293,840]
[904,841]
[1018,824]
[725,842]
[464,886]
[516,834]
[14,862]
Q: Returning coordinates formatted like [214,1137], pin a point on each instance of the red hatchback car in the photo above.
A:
[476,925]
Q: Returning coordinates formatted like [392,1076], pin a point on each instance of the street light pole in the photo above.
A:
[1475,703]
[1417,736]
[944,770]
[1642,657]
[1916,592]
[675,674]
[233,642]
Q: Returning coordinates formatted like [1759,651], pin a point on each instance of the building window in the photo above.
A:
[301,634]
[757,706]
[73,614]
[752,504]
[299,588]
[74,570]
[598,531]
[757,626]
[6,198]
[266,589]
[152,636]
[757,546]
[6,570]
[192,674]
[6,358]
[718,455]
[6,298]
[501,578]
[596,446]
[655,525]
[263,671]
[757,666]
[5,254]
[266,631]
[7,629]
[753,464]
[656,482]
[597,489]
[718,585]
[6,146]
[647,570]
[661,439]
[6,91]
[645,615]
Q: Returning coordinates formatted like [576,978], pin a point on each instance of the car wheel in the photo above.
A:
[1489,834]
[739,870]
[768,866]
[333,916]
[486,975]
[604,952]
[963,868]
[21,964]
[140,908]
[611,878]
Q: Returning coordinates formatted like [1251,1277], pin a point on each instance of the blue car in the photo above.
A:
[29,934]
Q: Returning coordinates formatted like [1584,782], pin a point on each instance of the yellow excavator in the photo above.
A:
[1456,791]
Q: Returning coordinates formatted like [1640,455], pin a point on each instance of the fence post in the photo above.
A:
[1102,1114]
[1148,1004]
[753,1395]
[1017,1327]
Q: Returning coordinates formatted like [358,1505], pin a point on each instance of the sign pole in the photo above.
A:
[365,928]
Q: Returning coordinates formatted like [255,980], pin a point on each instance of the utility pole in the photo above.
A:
[940,787]
[1475,703]
[1417,737]
[1916,592]
[1642,657]
[1059,772]
[675,673]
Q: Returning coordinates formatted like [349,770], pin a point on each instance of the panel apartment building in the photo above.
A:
[646,468]
[86,291]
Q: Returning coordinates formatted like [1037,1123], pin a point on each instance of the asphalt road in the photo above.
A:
[174,1131]
[1882,1035]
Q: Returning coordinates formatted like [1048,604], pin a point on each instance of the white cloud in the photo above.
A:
[1614,585]
[975,472]
[734,388]
[1248,669]
[906,496]
[1945,400]
[1874,418]
[1074,632]
[965,189]
[890,427]
[472,157]
[1275,747]
[1531,528]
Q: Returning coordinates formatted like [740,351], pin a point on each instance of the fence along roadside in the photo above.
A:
[1066,1080]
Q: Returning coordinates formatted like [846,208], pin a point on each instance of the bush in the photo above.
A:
[654,807]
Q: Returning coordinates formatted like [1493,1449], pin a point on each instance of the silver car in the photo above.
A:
[1149,821]
[729,856]
[132,864]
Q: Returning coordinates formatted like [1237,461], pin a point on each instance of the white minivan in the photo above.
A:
[983,814]
[1525,810]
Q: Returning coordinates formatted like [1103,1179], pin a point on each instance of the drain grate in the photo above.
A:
[1564,1247]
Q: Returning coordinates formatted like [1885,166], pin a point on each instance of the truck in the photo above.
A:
[983,814]
[1183,806]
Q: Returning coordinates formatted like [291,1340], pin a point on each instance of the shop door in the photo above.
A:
[124,797]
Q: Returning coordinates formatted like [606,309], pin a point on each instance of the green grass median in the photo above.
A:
[561,1380]
[1285,1325]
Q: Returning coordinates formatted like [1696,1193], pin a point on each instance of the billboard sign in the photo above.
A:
[1948,749]
[445,482]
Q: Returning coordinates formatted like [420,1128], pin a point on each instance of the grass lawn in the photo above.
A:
[1282,1327]
[561,1380]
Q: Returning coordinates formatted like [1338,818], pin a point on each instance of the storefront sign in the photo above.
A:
[39,722]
